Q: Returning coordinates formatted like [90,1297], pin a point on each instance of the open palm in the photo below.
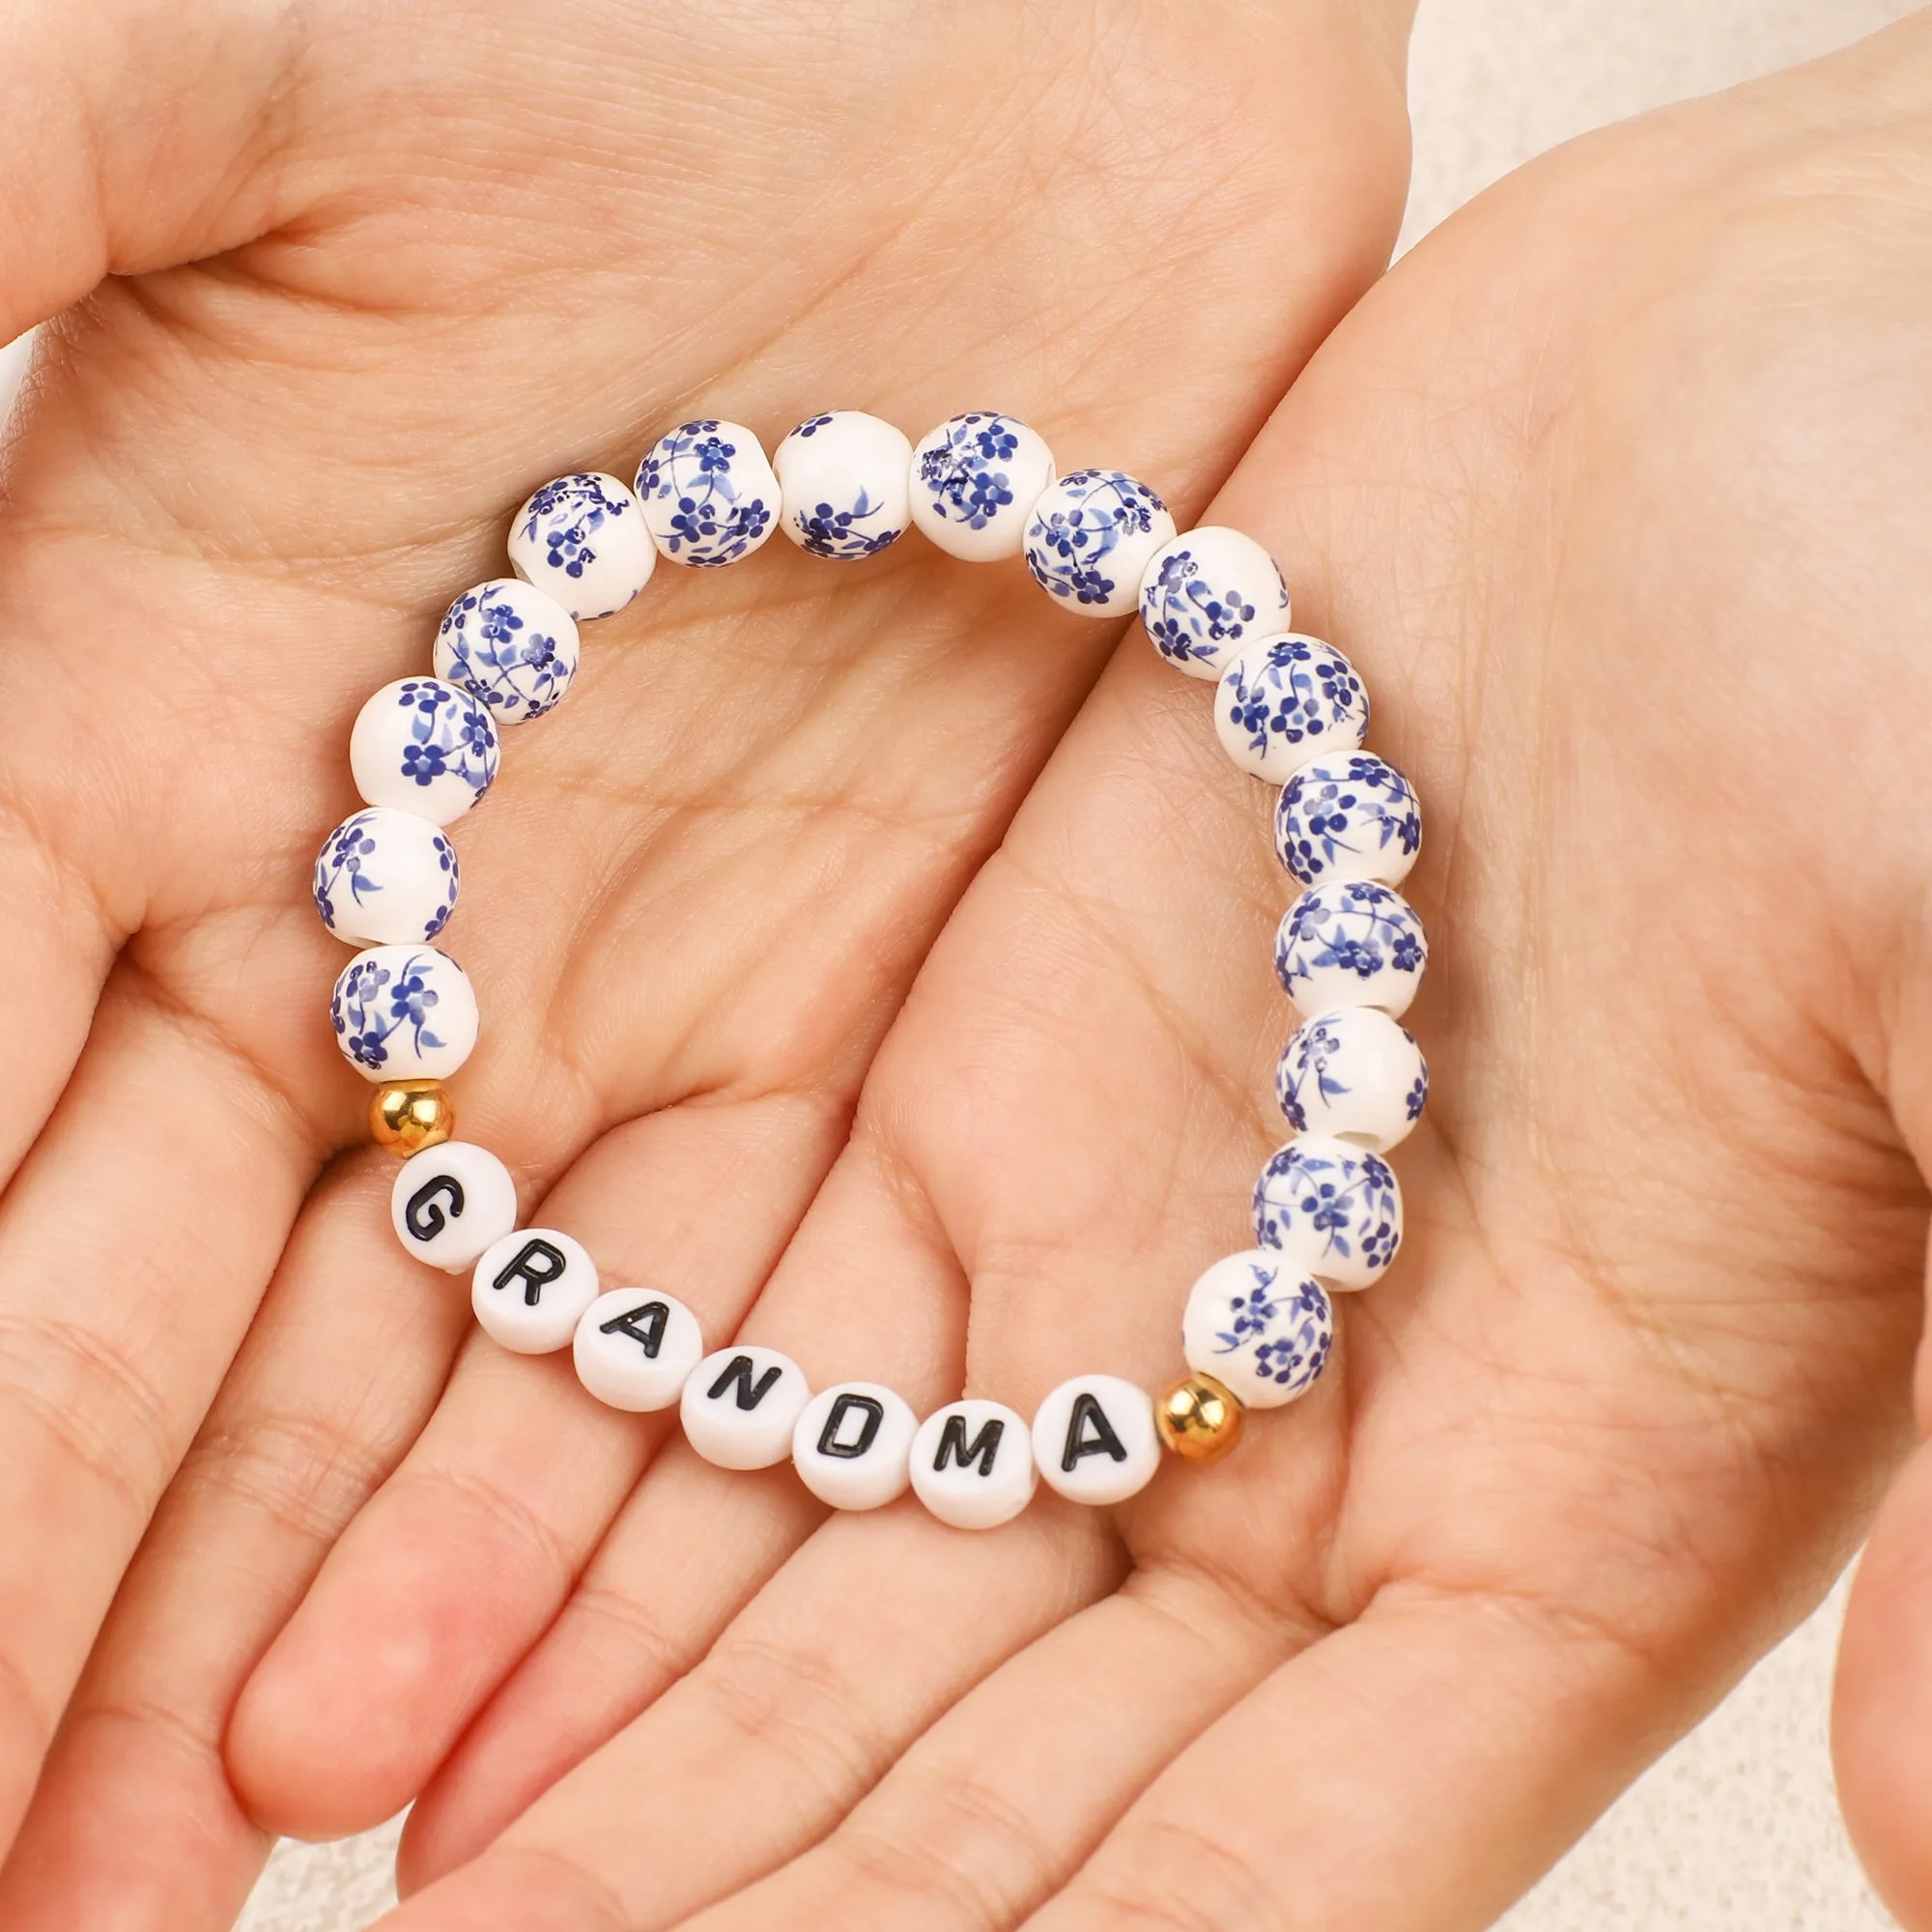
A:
[377,274]
[1607,490]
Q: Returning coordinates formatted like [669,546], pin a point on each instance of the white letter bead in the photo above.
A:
[1285,699]
[709,497]
[583,539]
[975,480]
[1356,1075]
[844,477]
[510,644]
[450,1203]
[1091,538]
[852,1445]
[1331,1211]
[1205,594]
[386,878]
[635,1349]
[530,1290]
[403,1013]
[1348,816]
[1259,1328]
[741,1406]
[1350,944]
[423,746]
[971,1465]
[1093,1439]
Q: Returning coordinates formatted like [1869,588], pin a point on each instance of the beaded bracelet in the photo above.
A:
[1258,1325]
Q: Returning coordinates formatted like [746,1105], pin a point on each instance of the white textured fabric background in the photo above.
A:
[1736,1829]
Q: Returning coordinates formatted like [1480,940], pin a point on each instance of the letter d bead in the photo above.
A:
[852,1445]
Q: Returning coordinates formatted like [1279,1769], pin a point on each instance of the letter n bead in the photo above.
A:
[972,1463]
[1093,1439]
[451,1202]
[741,1406]
[852,1445]
[529,1290]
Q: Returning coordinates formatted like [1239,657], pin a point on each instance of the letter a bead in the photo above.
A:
[450,1203]
[972,1463]
[852,1445]
[741,1406]
[1093,1439]
[530,1290]
[635,1349]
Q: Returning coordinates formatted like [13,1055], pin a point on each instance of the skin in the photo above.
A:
[1616,489]
[372,275]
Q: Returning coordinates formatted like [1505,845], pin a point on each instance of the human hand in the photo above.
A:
[377,275]
[1616,492]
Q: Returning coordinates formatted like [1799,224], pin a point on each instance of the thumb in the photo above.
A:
[136,134]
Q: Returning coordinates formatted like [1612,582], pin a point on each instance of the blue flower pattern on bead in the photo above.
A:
[1332,1207]
[1302,692]
[1068,549]
[1189,618]
[965,476]
[512,666]
[1353,927]
[1287,1329]
[449,733]
[715,520]
[829,531]
[373,1003]
[1362,806]
[566,515]
[1309,1059]
[352,863]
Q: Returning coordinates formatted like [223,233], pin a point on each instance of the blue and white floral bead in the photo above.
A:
[1285,699]
[385,877]
[1331,1210]
[1259,1327]
[510,644]
[1351,943]
[403,1013]
[846,483]
[425,746]
[582,539]
[974,481]
[1205,594]
[1091,538]
[709,497]
[1354,1075]
[1350,817]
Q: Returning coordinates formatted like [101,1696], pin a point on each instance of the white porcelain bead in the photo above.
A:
[1284,701]
[709,497]
[1093,1439]
[1355,1075]
[403,1013]
[1348,816]
[1090,537]
[741,1406]
[972,1463]
[583,539]
[385,877]
[1203,595]
[531,1289]
[1259,1327]
[974,481]
[423,746]
[852,1445]
[451,1202]
[510,644]
[1350,944]
[635,1349]
[1331,1209]
[845,482]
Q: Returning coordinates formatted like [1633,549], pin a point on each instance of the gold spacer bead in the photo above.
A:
[407,1116]
[1199,1419]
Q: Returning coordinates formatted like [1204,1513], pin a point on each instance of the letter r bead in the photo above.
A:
[530,1290]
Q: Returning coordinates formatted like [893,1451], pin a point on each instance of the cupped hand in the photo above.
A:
[1616,489]
[371,275]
